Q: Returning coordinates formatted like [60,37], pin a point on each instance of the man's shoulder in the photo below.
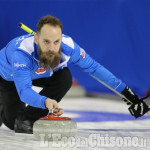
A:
[68,41]
[68,45]
[26,43]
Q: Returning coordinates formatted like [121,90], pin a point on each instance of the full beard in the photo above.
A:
[49,59]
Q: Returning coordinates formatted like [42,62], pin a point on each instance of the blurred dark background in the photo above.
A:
[116,33]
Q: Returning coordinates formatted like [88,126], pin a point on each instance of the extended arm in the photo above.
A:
[80,58]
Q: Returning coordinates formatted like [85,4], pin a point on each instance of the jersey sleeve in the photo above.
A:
[80,58]
[21,66]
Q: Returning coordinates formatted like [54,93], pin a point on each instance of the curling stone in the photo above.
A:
[51,126]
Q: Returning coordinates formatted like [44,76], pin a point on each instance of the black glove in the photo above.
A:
[139,109]
[130,96]
[137,106]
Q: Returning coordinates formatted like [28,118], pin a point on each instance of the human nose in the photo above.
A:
[51,47]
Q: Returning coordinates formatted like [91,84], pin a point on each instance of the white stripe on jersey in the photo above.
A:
[27,45]
[68,41]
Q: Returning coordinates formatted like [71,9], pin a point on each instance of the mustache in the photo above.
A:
[47,54]
[51,52]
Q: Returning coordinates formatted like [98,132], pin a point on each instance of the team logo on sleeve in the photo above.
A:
[19,39]
[82,53]
[40,71]
[19,65]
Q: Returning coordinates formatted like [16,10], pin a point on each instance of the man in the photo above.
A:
[41,60]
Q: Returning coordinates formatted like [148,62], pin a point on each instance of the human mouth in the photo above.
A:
[51,55]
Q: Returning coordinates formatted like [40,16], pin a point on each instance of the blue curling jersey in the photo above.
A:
[19,63]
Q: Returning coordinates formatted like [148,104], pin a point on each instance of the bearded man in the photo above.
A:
[41,60]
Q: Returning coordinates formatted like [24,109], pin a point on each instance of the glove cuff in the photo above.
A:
[130,95]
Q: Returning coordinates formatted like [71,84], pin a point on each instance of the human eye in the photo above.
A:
[46,42]
[57,42]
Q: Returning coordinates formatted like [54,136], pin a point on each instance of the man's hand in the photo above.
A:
[139,109]
[137,106]
[59,112]
[52,104]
